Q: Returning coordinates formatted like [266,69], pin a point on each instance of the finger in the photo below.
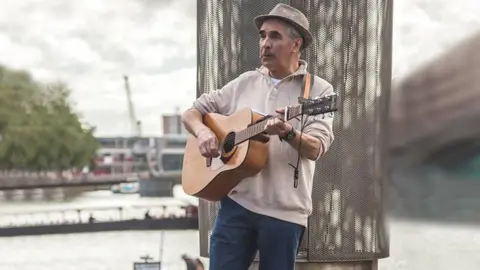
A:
[275,128]
[213,147]
[271,131]
[212,144]
[281,125]
[203,150]
[268,126]
[277,124]
[280,110]
[270,122]
[277,131]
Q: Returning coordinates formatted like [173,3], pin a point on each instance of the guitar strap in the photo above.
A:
[307,84]
[304,94]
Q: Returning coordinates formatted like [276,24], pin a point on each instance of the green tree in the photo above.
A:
[39,128]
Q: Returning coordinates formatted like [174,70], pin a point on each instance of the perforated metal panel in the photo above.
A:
[352,50]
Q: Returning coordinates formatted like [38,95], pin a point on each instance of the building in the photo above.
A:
[123,154]
[170,152]
[172,124]
[127,154]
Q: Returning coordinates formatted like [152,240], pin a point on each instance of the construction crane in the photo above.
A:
[141,152]
[136,125]
[138,150]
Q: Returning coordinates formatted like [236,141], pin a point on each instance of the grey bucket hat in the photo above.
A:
[293,16]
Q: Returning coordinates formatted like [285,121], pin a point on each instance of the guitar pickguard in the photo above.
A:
[219,162]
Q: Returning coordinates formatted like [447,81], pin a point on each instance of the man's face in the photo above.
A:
[276,46]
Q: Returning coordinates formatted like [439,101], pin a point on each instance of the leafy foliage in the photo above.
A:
[39,129]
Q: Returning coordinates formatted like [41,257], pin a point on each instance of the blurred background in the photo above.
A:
[92,143]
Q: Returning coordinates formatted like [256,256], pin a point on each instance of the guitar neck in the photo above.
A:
[259,127]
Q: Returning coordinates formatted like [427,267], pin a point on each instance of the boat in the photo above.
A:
[99,219]
[125,188]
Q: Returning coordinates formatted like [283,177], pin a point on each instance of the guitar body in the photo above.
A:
[225,172]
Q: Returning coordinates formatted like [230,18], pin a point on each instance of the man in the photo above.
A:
[268,212]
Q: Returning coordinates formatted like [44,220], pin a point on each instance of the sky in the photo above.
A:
[91,44]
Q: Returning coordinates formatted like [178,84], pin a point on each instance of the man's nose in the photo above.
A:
[266,43]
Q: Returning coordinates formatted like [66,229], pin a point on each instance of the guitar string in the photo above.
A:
[254,129]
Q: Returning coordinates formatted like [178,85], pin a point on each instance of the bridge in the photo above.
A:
[13,182]
[19,181]
[435,138]
[437,106]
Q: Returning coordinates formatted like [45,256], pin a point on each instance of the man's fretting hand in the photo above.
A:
[276,126]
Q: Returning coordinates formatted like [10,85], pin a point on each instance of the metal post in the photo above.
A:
[162,240]
[351,50]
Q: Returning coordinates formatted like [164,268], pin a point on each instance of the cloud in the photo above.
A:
[424,29]
[91,44]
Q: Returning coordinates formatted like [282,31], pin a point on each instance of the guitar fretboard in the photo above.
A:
[259,127]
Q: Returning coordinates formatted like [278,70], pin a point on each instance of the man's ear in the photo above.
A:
[298,44]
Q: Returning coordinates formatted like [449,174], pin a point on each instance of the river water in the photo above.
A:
[414,245]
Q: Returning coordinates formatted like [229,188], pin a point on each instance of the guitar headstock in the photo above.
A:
[312,106]
[319,105]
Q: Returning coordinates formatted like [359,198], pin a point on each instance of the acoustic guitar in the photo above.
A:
[243,153]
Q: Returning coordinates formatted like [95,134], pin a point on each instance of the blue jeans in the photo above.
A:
[238,233]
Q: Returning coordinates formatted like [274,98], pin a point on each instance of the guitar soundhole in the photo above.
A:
[229,142]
